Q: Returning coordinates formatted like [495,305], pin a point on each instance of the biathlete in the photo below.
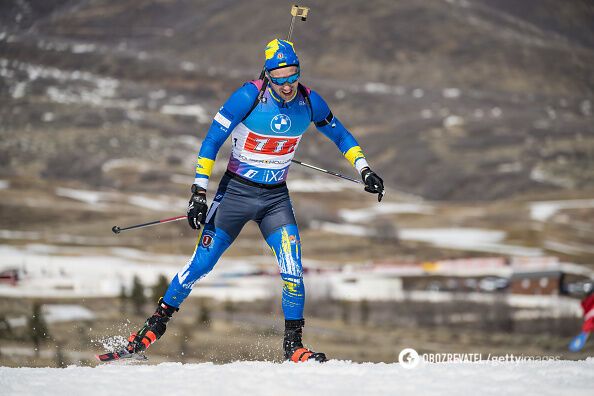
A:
[265,134]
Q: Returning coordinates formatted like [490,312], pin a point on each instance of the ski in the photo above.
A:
[121,354]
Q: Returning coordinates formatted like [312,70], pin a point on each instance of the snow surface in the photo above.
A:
[83,272]
[458,238]
[475,239]
[568,248]
[54,313]
[319,185]
[369,213]
[542,210]
[194,110]
[162,203]
[88,275]
[139,166]
[331,378]
[55,238]
[77,272]
[89,197]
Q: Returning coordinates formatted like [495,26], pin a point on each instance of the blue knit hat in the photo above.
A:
[280,53]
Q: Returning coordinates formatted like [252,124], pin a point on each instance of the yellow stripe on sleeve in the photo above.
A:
[356,157]
[204,166]
[353,154]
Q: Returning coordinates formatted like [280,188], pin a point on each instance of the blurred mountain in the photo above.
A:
[455,99]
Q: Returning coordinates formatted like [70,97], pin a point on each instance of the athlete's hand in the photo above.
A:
[197,207]
[373,183]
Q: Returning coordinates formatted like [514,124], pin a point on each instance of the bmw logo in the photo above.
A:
[281,123]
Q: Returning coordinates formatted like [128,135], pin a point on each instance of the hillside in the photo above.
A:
[456,100]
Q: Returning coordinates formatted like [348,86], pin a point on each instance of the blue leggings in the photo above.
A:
[234,205]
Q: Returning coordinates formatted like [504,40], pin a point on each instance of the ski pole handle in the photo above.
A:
[116,229]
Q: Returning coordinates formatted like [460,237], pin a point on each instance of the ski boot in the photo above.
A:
[152,330]
[294,349]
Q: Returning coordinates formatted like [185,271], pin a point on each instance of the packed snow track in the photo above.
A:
[332,378]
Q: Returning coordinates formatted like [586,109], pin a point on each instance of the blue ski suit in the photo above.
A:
[264,140]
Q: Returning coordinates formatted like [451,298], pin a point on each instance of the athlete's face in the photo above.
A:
[287,90]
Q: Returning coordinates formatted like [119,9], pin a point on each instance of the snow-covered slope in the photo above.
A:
[332,378]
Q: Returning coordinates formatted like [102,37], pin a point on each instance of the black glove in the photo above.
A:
[197,207]
[373,183]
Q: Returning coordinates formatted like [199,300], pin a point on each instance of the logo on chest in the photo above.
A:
[280,123]
[270,145]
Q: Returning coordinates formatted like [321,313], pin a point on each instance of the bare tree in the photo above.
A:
[137,295]
[38,331]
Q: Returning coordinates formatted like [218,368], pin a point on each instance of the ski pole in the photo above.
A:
[117,229]
[327,171]
[402,194]
[335,174]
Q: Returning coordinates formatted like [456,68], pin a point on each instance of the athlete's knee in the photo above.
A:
[192,271]
[293,286]
[198,268]
[203,262]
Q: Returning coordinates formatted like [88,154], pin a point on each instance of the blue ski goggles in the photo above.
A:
[283,80]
